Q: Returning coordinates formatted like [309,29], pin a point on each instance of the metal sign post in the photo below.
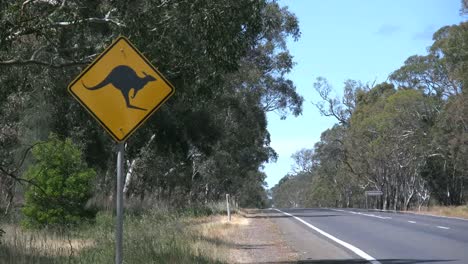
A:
[119,191]
[228,209]
[372,193]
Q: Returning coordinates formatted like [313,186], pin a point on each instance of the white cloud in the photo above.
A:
[388,30]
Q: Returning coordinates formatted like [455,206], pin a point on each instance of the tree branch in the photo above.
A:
[103,20]
[25,154]
[12,174]
[20,180]
[21,62]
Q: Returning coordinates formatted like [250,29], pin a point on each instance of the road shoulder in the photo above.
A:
[260,241]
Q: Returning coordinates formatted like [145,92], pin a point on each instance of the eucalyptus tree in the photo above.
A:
[292,191]
[205,48]
[442,76]
[406,137]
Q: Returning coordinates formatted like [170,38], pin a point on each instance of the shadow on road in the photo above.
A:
[361,261]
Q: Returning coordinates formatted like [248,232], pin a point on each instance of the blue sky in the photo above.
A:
[363,40]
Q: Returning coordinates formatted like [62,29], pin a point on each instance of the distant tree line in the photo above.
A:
[227,59]
[407,137]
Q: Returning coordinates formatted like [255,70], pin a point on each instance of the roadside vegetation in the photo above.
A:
[451,211]
[407,137]
[228,62]
[157,235]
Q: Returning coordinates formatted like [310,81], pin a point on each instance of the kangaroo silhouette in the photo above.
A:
[124,79]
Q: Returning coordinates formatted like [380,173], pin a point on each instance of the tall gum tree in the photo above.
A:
[203,47]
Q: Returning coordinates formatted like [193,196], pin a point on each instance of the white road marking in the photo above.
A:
[339,210]
[419,214]
[413,222]
[358,213]
[377,216]
[443,227]
[354,249]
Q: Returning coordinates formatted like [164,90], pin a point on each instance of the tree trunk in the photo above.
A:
[407,201]
[10,202]
[10,194]
[128,176]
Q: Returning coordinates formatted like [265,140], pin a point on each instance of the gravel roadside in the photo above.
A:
[259,241]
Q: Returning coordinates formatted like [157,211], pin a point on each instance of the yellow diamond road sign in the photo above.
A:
[121,89]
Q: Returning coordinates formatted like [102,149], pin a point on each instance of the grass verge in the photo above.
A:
[450,211]
[156,236]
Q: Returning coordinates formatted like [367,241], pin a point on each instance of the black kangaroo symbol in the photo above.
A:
[124,79]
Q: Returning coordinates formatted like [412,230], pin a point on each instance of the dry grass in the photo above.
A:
[44,243]
[451,211]
[215,235]
[154,236]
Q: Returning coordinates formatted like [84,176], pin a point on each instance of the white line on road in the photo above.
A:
[354,249]
[420,214]
[443,227]
[413,222]
[376,216]
[339,210]
[358,213]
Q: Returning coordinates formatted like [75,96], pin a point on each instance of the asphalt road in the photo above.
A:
[340,236]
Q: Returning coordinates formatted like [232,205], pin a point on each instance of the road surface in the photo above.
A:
[341,236]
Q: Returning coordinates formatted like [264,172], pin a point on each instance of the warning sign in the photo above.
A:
[121,89]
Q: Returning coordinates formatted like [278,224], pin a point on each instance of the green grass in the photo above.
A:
[156,236]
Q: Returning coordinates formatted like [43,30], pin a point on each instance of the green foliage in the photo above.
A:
[446,168]
[292,191]
[252,193]
[62,185]
[227,59]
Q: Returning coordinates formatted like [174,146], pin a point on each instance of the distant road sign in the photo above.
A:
[121,89]
[374,193]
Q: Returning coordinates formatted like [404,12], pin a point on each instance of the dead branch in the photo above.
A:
[20,180]
[21,62]
[103,20]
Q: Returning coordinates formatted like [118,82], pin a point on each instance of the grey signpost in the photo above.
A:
[228,208]
[119,192]
[372,193]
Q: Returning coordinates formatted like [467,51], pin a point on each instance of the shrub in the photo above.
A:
[62,185]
